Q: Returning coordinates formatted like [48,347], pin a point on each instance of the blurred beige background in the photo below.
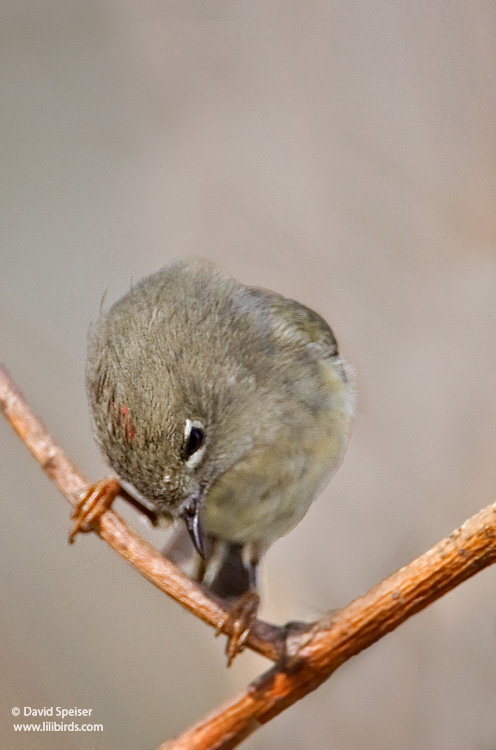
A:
[342,154]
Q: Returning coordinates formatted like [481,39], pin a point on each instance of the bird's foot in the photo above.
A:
[238,622]
[96,500]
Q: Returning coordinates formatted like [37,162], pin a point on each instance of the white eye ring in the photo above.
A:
[194,458]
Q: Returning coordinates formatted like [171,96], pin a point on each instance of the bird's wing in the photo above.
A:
[295,320]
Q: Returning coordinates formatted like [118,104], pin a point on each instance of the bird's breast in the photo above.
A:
[269,490]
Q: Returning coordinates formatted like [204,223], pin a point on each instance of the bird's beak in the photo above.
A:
[192,517]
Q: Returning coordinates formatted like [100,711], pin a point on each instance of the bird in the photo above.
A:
[223,405]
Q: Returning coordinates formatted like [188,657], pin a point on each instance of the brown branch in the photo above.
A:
[264,638]
[308,655]
[316,654]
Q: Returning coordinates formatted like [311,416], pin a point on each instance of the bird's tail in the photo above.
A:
[226,572]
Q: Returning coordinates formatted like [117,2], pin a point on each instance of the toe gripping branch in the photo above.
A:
[96,500]
[238,621]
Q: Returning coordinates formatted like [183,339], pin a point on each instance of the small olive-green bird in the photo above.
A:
[225,405]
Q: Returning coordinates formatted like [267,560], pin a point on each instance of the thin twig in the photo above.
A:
[319,652]
[264,638]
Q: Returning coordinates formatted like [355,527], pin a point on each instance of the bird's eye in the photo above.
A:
[194,439]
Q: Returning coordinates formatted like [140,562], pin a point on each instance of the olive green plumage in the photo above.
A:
[220,400]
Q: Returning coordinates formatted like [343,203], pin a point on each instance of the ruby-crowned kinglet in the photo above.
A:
[222,404]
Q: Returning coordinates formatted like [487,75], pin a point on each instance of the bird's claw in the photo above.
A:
[238,622]
[96,500]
